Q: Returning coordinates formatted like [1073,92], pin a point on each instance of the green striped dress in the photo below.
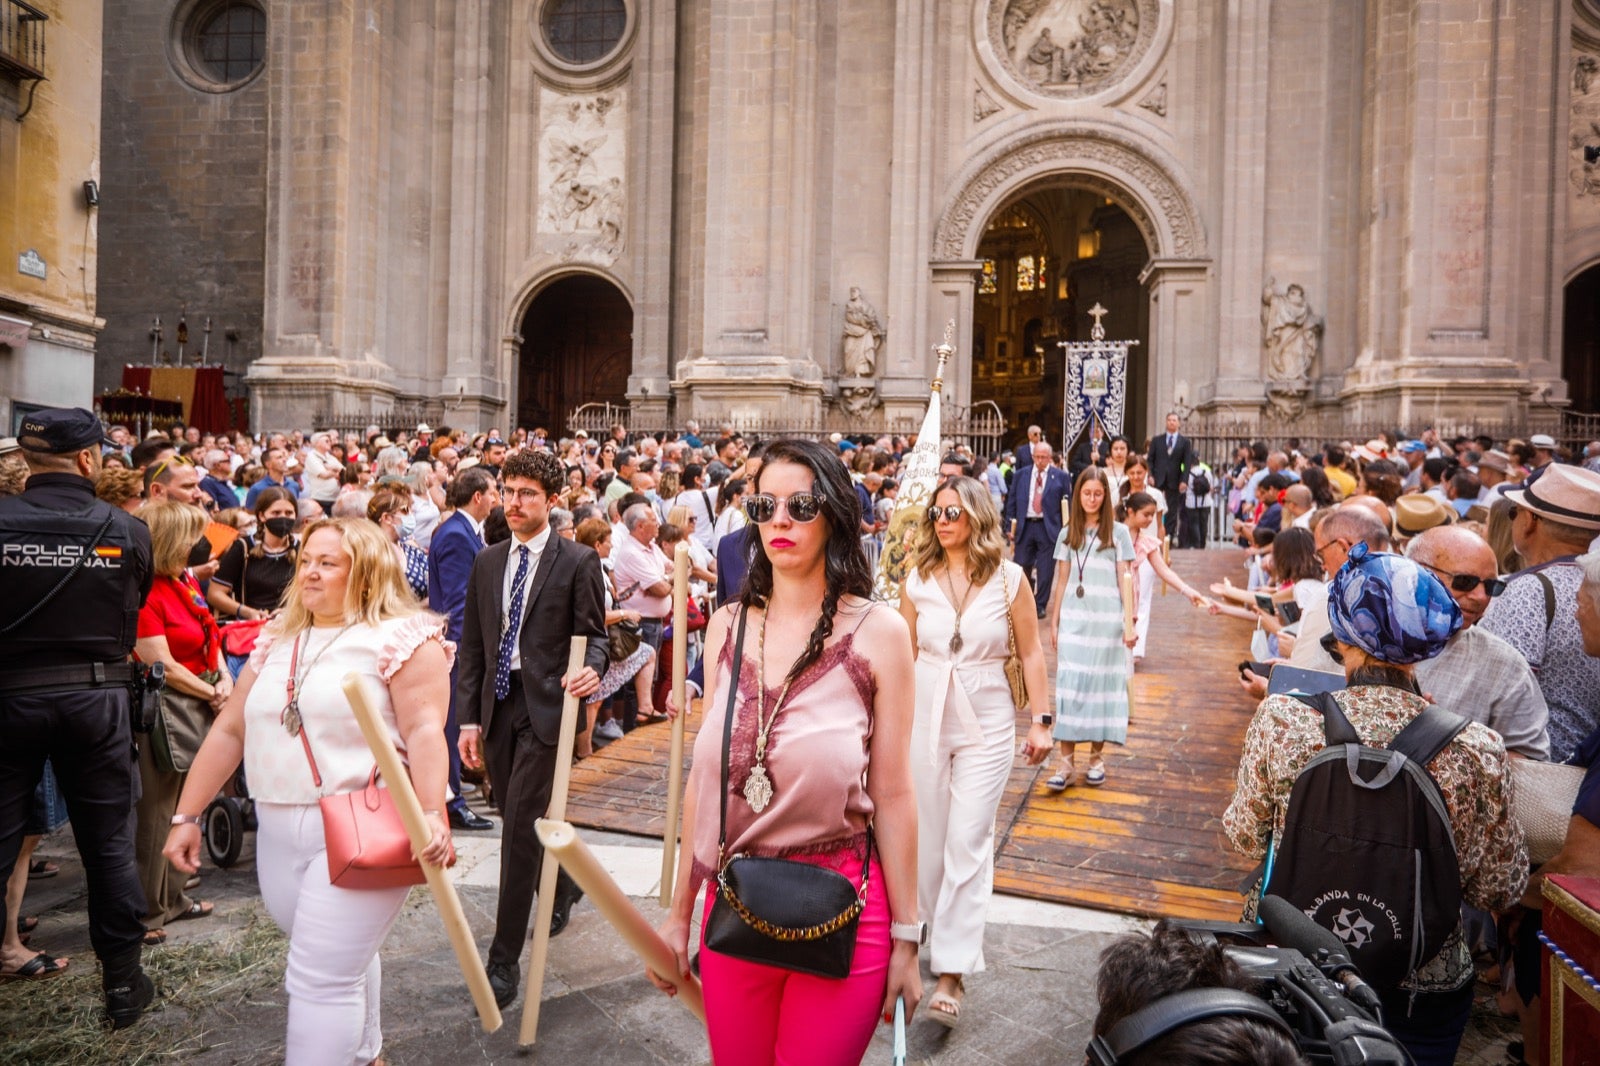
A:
[1091,660]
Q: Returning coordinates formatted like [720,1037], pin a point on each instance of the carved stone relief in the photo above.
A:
[983,105]
[1156,100]
[1071,48]
[582,176]
[1584,176]
[1291,333]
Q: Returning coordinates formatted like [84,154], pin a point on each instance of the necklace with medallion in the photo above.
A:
[290,718]
[758,788]
[1082,557]
[955,636]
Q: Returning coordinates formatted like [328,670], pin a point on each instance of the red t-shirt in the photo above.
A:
[169,612]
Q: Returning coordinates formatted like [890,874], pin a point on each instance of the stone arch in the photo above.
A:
[1141,178]
[531,284]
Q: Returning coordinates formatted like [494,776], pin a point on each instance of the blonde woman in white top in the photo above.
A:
[348,610]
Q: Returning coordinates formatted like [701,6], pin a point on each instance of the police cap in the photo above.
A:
[61,431]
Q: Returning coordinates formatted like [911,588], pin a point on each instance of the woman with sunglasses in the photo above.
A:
[819,769]
[1085,630]
[966,606]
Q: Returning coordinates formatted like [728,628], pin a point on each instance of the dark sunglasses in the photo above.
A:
[1493,586]
[762,507]
[951,513]
[1330,644]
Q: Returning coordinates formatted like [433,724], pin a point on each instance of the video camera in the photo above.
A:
[1308,988]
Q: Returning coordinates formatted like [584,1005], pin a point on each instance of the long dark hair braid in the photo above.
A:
[846,569]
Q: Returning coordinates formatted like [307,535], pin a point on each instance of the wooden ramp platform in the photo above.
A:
[1149,842]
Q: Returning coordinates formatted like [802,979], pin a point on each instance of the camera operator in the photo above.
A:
[76,570]
[1138,970]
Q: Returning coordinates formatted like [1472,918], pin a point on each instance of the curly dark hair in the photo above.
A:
[846,567]
[543,467]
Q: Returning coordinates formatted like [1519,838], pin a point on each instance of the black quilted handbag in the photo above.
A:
[777,912]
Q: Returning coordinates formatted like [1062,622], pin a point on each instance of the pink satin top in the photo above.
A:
[817,755]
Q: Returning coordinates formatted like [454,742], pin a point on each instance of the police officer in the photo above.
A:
[75,571]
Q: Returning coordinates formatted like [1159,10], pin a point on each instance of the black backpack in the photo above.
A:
[1200,485]
[1367,849]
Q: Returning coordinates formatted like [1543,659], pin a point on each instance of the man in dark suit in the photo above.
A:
[1033,516]
[456,543]
[529,596]
[1093,450]
[1171,456]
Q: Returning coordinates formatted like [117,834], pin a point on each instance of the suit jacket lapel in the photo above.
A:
[493,606]
[547,558]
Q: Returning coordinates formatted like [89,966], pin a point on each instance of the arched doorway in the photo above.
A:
[1580,341]
[577,348]
[1048,256]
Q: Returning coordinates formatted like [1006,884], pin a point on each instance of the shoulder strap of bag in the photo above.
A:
[1011,631]
[1336,727]
[711,512]
[1549,589]
[305,739]
[1426,735]
[727,728]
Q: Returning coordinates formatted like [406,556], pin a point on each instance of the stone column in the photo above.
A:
[1179,306]
[650,186]
[954,285]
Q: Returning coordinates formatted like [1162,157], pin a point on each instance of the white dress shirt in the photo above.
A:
[535,546]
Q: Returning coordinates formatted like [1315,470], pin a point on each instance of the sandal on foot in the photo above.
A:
[1063,777]
[40,869]
[200,908]
[28,924]
[37,968]
[154,938]
[945,1008]
[1096,775]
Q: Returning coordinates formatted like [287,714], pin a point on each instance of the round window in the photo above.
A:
[584,31]
[228,42]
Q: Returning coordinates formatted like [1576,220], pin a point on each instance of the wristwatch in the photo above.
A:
[1044,719]
[186,819]
[914,932]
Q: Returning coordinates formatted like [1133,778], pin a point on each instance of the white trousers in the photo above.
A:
[1145,583]
[959,788]
[333,977]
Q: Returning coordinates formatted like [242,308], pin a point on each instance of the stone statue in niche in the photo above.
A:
[1291,332]
[1070,44]
[863,334]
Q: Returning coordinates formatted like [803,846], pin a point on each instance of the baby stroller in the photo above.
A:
[227,819]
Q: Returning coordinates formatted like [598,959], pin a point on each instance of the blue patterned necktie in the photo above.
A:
[513,626]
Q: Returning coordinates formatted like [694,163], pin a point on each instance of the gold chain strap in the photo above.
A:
[1011,629]
[789,933]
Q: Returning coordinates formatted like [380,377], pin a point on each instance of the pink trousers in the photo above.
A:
[762,1016]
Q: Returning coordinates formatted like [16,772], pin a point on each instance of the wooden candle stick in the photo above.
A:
[398,781]
[680,697]
[1128,631]
[562,841]
[548,869]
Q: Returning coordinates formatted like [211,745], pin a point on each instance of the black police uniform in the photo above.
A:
[64,690]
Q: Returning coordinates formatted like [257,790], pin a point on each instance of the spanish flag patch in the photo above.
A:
[111,552]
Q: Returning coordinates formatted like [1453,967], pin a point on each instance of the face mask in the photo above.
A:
[279,527]
[200,554]
[408,526]
[247,531]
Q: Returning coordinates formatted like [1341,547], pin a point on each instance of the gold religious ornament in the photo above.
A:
[944,350]
[1097,331]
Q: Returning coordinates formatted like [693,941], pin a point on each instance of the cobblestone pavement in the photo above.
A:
[1034,1004]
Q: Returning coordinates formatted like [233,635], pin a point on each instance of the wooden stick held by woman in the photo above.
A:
[396,779]
[562,841]
[680,698]
[547,872]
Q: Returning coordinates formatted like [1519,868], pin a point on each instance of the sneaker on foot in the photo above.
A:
[611,729]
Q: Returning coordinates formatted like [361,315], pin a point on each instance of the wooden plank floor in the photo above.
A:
[1149,842]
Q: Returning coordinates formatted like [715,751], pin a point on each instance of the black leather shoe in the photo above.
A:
[125,1003]
[502,982]
[561,913]
[464,818]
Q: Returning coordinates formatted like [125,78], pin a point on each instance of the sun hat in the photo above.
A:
[1390,607]
[1566,494]
[1495,460]
[1376,448]
[1418,511]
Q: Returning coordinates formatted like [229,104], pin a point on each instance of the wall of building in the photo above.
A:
[44,161]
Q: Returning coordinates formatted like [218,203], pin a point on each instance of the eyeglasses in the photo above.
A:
[1492,586]
[1330,644]
[522,495]
[1337,542]
[762,507]
[952,513]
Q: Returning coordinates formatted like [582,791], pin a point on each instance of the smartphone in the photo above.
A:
[1289,611]
[1264,602]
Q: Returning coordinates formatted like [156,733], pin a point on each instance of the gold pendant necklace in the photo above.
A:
[758,786]
[955,637]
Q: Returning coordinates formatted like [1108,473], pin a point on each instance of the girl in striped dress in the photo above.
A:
[1085,630]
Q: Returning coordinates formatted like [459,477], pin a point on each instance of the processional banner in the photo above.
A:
[1096,382]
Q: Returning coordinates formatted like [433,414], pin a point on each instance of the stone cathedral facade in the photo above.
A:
[768,209]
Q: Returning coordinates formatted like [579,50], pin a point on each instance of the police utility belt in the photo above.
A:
[75,676]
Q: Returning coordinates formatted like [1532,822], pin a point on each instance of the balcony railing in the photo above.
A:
[22,40]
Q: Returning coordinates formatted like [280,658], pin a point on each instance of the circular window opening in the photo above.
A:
[228,42]
[584,31]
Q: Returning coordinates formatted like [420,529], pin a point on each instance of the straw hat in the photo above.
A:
[1566,494]
[1418,511]
[1376,448]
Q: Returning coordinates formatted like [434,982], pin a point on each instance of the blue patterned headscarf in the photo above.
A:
[1391,608]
